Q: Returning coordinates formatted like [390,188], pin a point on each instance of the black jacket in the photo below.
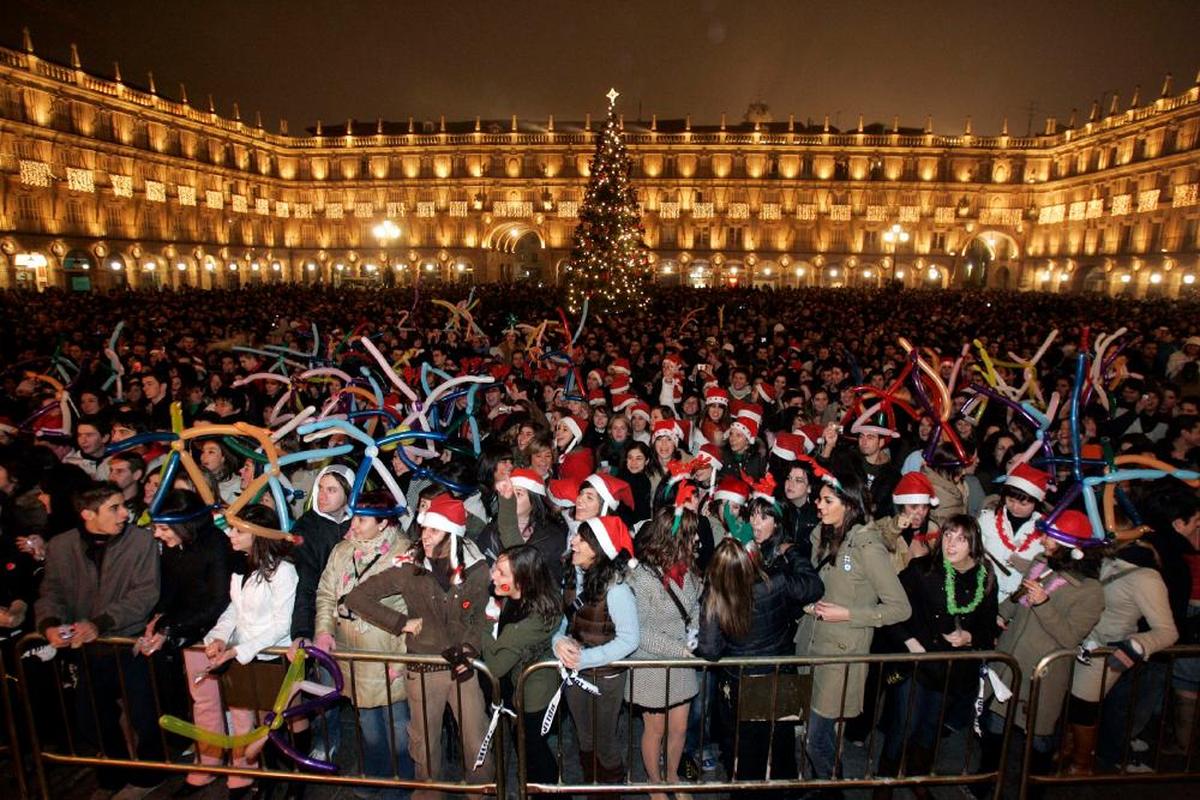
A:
[320,535]
[194,588]
[778,603]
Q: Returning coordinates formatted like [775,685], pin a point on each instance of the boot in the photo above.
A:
[1083,752]
[888,768]
[918,763]
[609,776]
[588,767]
[1184,719]
[990,745]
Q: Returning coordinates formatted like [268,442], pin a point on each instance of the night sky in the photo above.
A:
[339,59]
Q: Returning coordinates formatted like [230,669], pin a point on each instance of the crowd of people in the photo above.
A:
[701,477]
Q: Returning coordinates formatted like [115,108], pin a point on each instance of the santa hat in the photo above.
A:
[578,426]
[813,435]
[1029,480]
[715,396]
[613,491]
[623,401]
[764,489]
[748,426]
[740,408]
[674,360]
[595,397]
[529,480]
[640,409]
[619,384]
[446,513]
[714,455]
[665,427]
[914,489]
[612,535]
[684,427]
[733,489]
[597,374]
[562,492]
[766,392]
[1076,525]
[789,445]
[620,366]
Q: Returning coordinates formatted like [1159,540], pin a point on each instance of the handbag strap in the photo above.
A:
[687,618]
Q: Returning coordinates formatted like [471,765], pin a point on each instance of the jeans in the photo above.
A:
[822,744]
[382,740]
[700,716]
[327,727]
[1123,702]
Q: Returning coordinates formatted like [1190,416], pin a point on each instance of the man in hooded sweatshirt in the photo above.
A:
[322,527]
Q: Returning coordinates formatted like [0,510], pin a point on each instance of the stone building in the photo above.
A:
[104,183]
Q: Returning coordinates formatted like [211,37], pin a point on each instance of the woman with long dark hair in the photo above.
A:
[525,518]
[640,470]
[528,613]
[194,590]
[600,626]
[258,616]
[862,593]
[668,607]
[747,612]
[953,596]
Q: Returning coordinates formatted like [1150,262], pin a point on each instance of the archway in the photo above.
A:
[700,275]
[77,270]
[33,270]
[529,258]
[987,260]
[766,275]
[669,273]
[1091,279]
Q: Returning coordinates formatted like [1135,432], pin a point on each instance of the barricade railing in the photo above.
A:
[1152,699]
[56,735]
[757,717]
[10,747]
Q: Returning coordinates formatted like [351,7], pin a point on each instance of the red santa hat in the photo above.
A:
[715,396]
[1076,525]
[765,391]
[813,435]
[914,489]
[613,491]
[612,535]
[562,492]
[619,384]
[619,366]
[529,480]
[740,408]
[1029,480]
[733,489]
[447,513]
[640,409]
[665,427]
[746,425]
[597,374]
[714,455]
[789,445]
[578,426]
[621,402]
[595,397]
[674,360]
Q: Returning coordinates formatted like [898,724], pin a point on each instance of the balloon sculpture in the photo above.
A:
[281,712]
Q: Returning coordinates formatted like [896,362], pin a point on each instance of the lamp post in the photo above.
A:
[385,233]
[895,236]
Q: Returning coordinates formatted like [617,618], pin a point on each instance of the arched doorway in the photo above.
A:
[700,275]
[987,260]
[669,273]
[77,270]
[1091,279]
[523,248]
[33,270]
[766,275]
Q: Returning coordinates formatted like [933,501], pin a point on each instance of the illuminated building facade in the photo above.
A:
[106,184]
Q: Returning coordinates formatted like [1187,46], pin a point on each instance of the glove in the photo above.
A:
[1126,654]
[459,656]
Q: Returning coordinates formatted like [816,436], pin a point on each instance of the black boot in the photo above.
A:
[990,746]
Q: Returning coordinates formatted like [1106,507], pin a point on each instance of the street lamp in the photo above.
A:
[385,233]
[895,236]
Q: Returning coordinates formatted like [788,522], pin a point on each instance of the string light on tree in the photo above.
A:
[609,260]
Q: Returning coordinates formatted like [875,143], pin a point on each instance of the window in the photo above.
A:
[938,245]
[870,241]
[704,238]
[734,237]
[669,235]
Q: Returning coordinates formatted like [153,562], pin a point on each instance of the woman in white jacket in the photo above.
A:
[259,615]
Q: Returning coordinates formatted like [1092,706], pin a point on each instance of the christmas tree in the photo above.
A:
[608,260]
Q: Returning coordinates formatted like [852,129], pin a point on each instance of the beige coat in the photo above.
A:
[1034,632]
[952,497]
[889,531]
[338,578]
[1130,593]
[863,579]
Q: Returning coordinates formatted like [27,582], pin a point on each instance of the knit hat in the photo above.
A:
[1029,480]
[789,445]
[529,480]
[914,489]
[612,535]
[613,491]
[446,513]
[716,396]
[733,489]
[562,492]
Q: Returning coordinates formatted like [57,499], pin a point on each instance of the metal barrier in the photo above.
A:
[1148,688]
[13,746]
[737,669]
[55,713]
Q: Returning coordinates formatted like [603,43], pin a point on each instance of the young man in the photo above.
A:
[91,437]
[128,471]
[102,580]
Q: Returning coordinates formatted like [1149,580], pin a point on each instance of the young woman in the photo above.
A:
[443,579]
[799,509]
[909,533]
[1056,606]
[194,591]
[639,422]
[746,612]
[862,593]
[378,688]
[667,591]
[611,454]
[953,598]
[525,518]
[666,444]
[258,616]
[600,626]
[541,455]
[1010,535]
[224,466]
[639,471]
[530,608]
[716,415]
[575,460]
